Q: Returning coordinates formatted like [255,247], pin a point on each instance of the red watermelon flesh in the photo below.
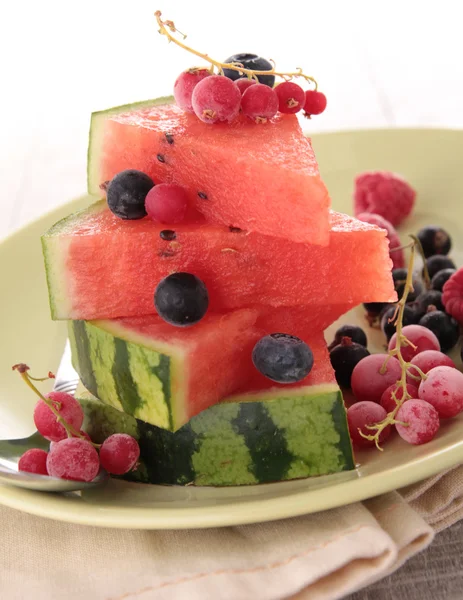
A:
[101,267]
[260,178]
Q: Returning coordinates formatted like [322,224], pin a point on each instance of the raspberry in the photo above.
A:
[452,296]
[397,257]
[385,194]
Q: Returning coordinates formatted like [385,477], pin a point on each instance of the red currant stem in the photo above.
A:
[404,247]
[168,28]
[427,278]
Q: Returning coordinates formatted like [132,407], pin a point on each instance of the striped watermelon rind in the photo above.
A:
[253,439]
[96,127]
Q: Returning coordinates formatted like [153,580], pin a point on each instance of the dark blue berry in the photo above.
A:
[374,309]
[440,278]
[251,61]
[444,327]
[127,192]
[181,299]
[438,263]
[427,299]
[344,357]
[283,358]
[434,240]
[353,332]
[400,276]
[388,328]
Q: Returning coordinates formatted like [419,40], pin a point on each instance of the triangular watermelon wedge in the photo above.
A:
[258,177]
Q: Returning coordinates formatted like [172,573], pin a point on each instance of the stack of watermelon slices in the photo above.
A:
[274,258]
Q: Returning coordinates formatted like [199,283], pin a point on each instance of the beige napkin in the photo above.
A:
[322,556]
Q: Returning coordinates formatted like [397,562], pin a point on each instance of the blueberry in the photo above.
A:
[444,327]
[126,194]
[438,263]
[440,278]
[283,358]
[400,276]
[426,299]
[344,357]
[251,61]
[356,334]
[181,299]
[410,318]
[434,240]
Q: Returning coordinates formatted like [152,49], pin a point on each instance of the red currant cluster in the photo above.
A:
[59,417]
[216,98]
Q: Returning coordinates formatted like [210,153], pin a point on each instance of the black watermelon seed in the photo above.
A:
[235,229]
[202,195]
[166,253]
[167,234]
[169,138]
[161,158]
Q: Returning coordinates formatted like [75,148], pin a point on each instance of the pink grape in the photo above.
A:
[422,422]
[259,103]
[34,461]
[426,361]
[368,379]
[388,402]
[68,408]
[73,458]
[291,97]
[167,203]
[443,388]
[366,413]
[185,84]
[243,83]
[421,337]
[119,453]
[216,98]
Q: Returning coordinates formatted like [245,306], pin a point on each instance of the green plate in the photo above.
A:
[431,161]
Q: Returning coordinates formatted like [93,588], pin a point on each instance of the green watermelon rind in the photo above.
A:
[94,139]
[291,435]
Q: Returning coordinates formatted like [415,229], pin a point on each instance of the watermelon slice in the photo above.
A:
[275,435]
[259,178]
[162,374]
[100,267]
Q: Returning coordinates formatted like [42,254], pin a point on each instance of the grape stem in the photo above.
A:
[396,352]
[168,29]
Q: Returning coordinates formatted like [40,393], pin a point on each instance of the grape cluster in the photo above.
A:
[58,417]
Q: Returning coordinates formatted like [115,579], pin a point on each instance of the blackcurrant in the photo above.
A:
[434,240]
[282,358]
[388,328]
[344,357]
[437,263]
[250,61]
[181,299]
[426,299]
[440,278]
[444,327]
[355,333]
[400,276]
[374,309]
[126,194]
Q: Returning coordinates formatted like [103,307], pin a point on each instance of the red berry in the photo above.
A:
[398,256]
[119,453]
[68,408]
[452,296]
[420,336]
[426,361]
[443,388]
[243,83]
[422,422]
[366,413]
[372,375]
[185,84]
[216,98]
[388,402]
[385,194]
[73,458]
[167,203]
[34,461]
[315,102]
[259,103]
[291,97]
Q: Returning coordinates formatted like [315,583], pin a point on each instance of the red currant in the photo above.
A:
[315,102]
[388,402]
[185,84]
[427,360]
[73,458]
[34,461]
[291,97]
[422,422]
[68,408]
[167,203]
[372,375]
[443,388]
[421,337]
[259,102]
[243,83]
[216,98]
[360,415]
[119,453]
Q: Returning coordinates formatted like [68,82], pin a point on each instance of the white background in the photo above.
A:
[381,64]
